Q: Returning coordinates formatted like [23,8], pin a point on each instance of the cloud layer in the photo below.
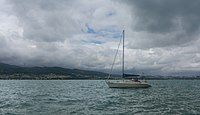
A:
[162,37]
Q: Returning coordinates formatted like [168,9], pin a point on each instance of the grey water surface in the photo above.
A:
[93,97]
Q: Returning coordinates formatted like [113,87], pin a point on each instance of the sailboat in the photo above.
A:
[125,83]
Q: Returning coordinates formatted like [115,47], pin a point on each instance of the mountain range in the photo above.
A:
[17,72]
[53,72]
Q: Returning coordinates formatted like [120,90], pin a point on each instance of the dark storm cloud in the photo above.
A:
[159,16]
[178,20]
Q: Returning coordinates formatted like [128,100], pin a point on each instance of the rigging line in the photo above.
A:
[115,57]
[123,55]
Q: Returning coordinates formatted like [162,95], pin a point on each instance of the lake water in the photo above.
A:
[87,97]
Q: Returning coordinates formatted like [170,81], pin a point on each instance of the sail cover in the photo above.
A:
[130,75]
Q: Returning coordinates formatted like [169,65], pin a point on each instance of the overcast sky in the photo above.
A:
[162,36]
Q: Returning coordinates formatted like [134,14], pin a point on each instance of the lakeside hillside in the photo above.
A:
[16,72]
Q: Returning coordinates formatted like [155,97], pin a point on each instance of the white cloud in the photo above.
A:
[84,34]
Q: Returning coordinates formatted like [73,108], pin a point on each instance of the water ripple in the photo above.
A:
[93,97]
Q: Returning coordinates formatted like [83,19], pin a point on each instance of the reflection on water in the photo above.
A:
[35,97]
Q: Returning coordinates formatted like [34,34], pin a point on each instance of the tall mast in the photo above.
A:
[123,55]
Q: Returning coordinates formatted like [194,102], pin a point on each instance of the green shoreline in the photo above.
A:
[96,78]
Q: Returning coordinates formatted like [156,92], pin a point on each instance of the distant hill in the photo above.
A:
[16,72]
[38,71]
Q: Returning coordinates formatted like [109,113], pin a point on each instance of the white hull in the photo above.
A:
[127,84]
